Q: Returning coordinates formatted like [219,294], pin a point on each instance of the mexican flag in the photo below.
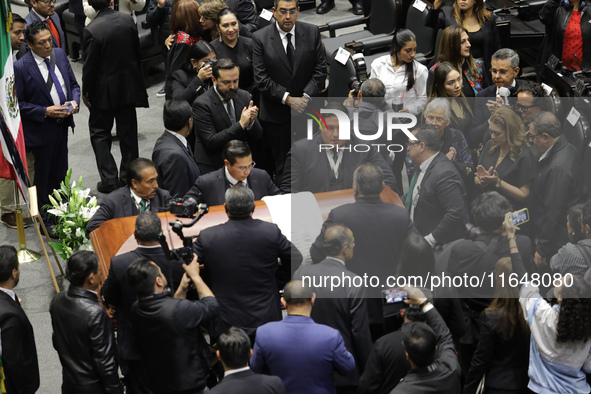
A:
[12,156]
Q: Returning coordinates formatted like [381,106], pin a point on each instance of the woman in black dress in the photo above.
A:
[194,77]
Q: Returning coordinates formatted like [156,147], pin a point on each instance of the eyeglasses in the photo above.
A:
[291,11]
[246,168]
[47,2]
[409,144]
[531,136]
[523,108]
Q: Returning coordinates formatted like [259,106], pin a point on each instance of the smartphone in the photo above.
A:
[393,296]
[69,106]
[519,217]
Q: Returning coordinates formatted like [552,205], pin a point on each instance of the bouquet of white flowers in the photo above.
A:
[72,209]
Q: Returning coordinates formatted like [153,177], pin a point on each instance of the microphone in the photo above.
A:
[505,93]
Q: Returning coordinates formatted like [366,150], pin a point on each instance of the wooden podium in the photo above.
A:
[114,236]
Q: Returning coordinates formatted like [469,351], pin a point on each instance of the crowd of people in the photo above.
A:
[484,144]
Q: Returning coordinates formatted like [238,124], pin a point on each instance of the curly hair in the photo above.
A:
[574,318]
[506,118]
[210,9]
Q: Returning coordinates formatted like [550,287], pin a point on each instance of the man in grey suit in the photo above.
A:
[172,156]
[289,69]
[234,351]
[222,114]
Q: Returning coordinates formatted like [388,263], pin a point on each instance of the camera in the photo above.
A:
[183,207]
[355,86]
[209,62]
[186,252]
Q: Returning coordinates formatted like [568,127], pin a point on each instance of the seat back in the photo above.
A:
[415,21]
[339,77]
[384,16]
[578,135]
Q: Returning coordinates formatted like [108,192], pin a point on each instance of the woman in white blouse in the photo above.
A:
[404,77]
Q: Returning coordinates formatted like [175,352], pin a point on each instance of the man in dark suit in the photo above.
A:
[504,70]
[302,353]
[234,352]
[113,87]
[246,10]
[436,198]
[311,167]
[250,296]
[141,194]
[118,293]
[379,229]
[172,156]
[44,11]
[48,95]
[342,307]
[19,354]
[289,69]
[222,114]
[238,168]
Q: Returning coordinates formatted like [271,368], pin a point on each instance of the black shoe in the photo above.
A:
[358,8]
[106,188]
[323,8]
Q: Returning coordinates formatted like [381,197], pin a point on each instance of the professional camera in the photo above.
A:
[183,207]
[186,252]
[355,86]
[209,62]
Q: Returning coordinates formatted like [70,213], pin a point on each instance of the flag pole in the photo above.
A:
[25,255]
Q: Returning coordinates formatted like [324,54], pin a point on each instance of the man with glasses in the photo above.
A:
[238,168]
[531,99]
[222,114]
[246,261]
[504,70]
[289,69]
[44,11]
[558,185]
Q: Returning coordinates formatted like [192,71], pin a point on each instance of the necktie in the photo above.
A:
[335,157]
[53,31]
[290,49]
[411,188]
[231,112]
[240,183]
[143,205]
[56,82]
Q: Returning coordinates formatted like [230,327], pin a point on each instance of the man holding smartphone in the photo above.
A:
[48,96]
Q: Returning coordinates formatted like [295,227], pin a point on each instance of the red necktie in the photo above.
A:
[53,31]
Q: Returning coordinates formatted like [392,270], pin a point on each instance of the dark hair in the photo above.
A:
[439,77]
[479,11]
[210,9]
[235,149]
[198,51]
[33,29]
[400,39]
[539,98]
[99,4]
[295,293]
[414,313]
[576,219]
[336,237]
[185,17]
[134,171]
[147,227]
[368,178]
[420,342]
[546,122]
[450,49]
[239,201]
[141,275]
[223,64]
[489,210]
[428,135]
[16,18]
[574,318]
[373,91]
[224,12]
[80,265]
[416,257]
[176,114]
[505,306]
[8,262]
[234,346]
[276,2]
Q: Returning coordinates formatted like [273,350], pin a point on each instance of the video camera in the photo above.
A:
[184,253]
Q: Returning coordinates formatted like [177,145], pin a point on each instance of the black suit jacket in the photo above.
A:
[274,75]
[211,188]
[246,277]
[120,204]
[112,74]
[119,293]
[344,309]
[479,131]
[441,208]
[248,382]
[214,128]
[177,170]
[19,354]
[308,169]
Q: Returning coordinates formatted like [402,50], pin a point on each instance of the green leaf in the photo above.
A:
[57,247]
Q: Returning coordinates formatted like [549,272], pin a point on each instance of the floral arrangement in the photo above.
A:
[72,209]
